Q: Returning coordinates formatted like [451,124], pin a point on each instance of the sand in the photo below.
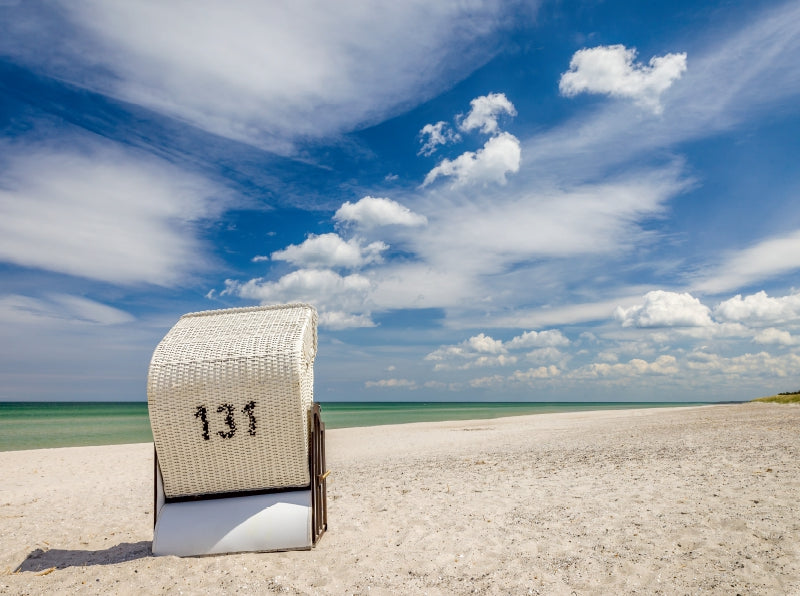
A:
[700,500]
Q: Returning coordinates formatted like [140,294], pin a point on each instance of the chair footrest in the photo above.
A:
[267,522]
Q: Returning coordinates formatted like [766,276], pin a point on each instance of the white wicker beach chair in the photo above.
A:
[240,450]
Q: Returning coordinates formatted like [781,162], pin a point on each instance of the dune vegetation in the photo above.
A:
[789,397]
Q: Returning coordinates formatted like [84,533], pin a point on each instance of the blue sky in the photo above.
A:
[484,200]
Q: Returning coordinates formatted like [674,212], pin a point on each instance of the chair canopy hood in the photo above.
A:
[229,394]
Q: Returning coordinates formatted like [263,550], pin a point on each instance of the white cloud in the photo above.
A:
[485,111]
[437,134]
[544,355]
[759,308]
[760,365]
[774,336]
[342,320]
[765,260]
[265,73]
[487,382]
[530,339]
[481,252]
[499,156]
[470,349]
[477,351]
[474,231]
[393,384]
[665,309]
[372,212]
[482,351]
[59,308]
[562,315]
[94,210]
[330,250]
[534,374]
[341,300]
[529,377]
[483,344]
[663,365]
[611,70]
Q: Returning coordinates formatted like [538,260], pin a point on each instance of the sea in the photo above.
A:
[41,425]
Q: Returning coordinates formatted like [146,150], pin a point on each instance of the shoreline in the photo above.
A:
[33,425]
[676,500]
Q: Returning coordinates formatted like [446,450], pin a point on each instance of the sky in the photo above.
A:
[495,201]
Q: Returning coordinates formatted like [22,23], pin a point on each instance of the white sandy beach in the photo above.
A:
[700,500]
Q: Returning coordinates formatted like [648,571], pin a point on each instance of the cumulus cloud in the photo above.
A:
[610,70]
[483,344]
[759,308]
[499,156]
[433,135]
[330,250]
[531,339]
[372,212]
[774,336]
[484,113]
[469,348]
[529,377]
[482,350]
[543,355]
[477,351]
[95,210]
[341,300]
[663,365]
[760,365]
[665,309]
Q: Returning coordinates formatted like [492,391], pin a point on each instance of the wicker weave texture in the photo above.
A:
[229,394]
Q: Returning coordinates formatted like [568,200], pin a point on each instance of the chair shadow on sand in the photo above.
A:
[42,560]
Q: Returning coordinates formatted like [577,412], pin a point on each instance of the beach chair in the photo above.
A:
[239,443]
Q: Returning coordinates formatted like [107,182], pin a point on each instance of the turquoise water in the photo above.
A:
[349,414]
[34,425]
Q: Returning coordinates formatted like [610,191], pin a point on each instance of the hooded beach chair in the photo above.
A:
[239,443]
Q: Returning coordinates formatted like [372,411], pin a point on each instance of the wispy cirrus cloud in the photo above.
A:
[434,135]
[93,209]
[762,261]
[268,74]
[61,309]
